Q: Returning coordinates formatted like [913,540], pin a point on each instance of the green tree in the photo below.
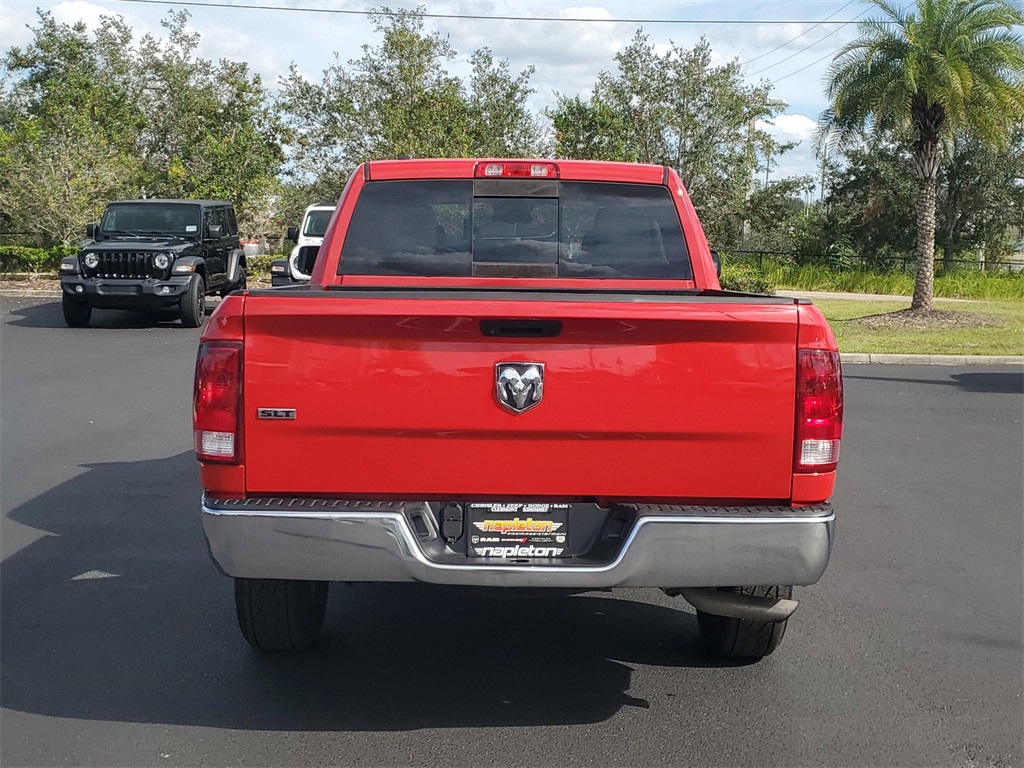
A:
[778,215]
[211,131]
[406,102]
[590,130]
[980,198]
[91,117]
[978,191]
[66,128]
[500,124]
[868,199]
[944,66]
[57,177]
[400,99]
[676,108]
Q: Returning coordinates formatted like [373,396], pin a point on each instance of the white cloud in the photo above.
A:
[585,12]
[71,11]
[787,128]
[15,19]
[797,128]
[237,46]
[568,56]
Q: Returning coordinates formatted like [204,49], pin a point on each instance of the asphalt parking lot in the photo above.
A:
[118,643]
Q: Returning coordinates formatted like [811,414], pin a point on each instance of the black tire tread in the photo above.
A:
[76,313]
[278,614]
[740,638]
[193,302]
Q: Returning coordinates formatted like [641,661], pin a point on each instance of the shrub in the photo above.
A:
[745,278]
[259,265]
[18,258]
[954,284]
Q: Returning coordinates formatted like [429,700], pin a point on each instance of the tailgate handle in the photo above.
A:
[521,329]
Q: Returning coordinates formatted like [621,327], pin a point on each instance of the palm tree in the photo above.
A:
[934,69]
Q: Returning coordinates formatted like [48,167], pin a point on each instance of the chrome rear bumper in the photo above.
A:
[374,541]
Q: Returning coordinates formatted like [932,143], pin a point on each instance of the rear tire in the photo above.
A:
[740,638]
[280,614]
[76,313]
[193,303]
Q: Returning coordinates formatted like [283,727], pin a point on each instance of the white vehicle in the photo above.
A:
[308,238]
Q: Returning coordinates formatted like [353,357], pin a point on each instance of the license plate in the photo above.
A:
[509,531]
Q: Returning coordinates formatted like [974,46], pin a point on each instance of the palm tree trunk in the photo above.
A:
[928,119]
[924,282]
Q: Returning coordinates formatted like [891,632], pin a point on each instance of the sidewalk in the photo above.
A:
[861,296]
[860,358]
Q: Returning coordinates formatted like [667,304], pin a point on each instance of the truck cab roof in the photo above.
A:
[564,170]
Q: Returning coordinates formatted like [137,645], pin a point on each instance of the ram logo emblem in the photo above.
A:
[520,386]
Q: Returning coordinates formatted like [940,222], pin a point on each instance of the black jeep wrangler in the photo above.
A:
[150,254]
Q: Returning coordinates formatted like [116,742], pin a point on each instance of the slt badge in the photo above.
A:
[520,386]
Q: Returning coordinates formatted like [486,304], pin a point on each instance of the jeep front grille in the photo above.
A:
[124,264]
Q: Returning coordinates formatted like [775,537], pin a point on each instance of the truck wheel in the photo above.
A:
[280,614]
[740,638]
[193,303]
[76,313]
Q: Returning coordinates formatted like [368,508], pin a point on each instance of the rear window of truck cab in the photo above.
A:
[515,228]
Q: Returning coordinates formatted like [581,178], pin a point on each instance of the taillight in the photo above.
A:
[517,170]
[217,402]
[819,410]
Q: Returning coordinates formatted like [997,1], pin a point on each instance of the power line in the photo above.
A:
[476,17]
[798,71]
[807,48]
[815,26]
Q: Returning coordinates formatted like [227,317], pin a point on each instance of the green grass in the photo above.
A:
[1005,340]
[963,284]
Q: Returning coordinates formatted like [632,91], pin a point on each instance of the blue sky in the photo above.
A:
[567,55]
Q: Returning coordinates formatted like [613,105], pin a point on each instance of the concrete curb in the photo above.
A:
[42,294]
[860,358]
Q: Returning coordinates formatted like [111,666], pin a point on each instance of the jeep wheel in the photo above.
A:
[238,285]
[280,614]
[740,638]
[76,313]
[193,303]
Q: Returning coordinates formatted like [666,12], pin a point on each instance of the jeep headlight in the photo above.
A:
[91,260]
[161,261]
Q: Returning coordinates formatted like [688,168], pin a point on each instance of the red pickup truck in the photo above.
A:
[518,374]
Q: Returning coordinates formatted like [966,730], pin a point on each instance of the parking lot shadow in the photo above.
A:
[1009,382]
[1002,382]
[48,314]
[119,615]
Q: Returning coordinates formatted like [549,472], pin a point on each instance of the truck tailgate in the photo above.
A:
[645,396]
